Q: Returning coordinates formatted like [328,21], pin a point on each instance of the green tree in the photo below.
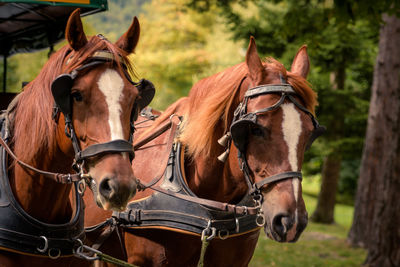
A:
[179,46]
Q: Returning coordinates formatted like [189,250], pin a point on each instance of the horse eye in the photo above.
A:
[257,131]
[77,96]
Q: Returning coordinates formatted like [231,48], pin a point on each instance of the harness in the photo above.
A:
[20,232]
[175,207]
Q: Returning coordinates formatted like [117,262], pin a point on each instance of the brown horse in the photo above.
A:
[268,112]
[94,98]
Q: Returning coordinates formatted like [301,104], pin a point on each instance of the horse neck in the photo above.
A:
[209,178]
[40,197]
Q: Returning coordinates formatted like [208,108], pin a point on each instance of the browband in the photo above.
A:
[269,89]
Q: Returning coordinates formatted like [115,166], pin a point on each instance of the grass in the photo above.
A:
[319,245]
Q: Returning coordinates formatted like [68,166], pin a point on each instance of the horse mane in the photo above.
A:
[211,102]
[172,109]
[34,128]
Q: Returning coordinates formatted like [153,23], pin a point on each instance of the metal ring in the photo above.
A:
[56,255]
[81,187]
[46,244]
[173,115]
[223,236]
[260,220]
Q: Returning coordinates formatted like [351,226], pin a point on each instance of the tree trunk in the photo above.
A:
[324,212]
[376,223]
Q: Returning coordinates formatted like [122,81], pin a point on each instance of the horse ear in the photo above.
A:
[301,63]
[74,31]
[254,64]
[130,38]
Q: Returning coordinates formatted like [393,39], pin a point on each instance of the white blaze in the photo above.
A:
[111,85]
[291,127]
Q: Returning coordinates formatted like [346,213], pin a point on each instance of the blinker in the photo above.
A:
[61,90]
[240,128]
[317,132]
[146,93]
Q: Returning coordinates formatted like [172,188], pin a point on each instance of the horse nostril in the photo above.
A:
[106,188]
[281,224]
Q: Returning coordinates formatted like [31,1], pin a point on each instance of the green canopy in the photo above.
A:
[27,25]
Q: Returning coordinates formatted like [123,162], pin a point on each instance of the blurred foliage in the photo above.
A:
[178,45]
[25,67]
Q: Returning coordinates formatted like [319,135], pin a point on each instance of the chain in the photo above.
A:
[260,219]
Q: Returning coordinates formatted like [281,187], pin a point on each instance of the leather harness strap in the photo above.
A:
[242,210]
[173,126]
[58,177]
[153,135]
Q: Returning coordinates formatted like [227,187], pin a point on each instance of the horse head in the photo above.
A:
[272,128]
[98,103]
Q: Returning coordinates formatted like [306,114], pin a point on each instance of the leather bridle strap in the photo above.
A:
[114,146]
[277,177]
[58,177]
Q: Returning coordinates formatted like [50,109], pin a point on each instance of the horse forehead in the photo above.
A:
[111,84]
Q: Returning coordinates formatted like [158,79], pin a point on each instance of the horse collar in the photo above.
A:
[21,233]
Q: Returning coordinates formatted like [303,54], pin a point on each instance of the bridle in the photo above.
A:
[242,120]
[61,90]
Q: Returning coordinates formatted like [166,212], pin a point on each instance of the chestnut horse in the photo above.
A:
[268,112]
[77,110]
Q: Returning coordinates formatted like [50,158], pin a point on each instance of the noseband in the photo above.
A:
[242,121]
